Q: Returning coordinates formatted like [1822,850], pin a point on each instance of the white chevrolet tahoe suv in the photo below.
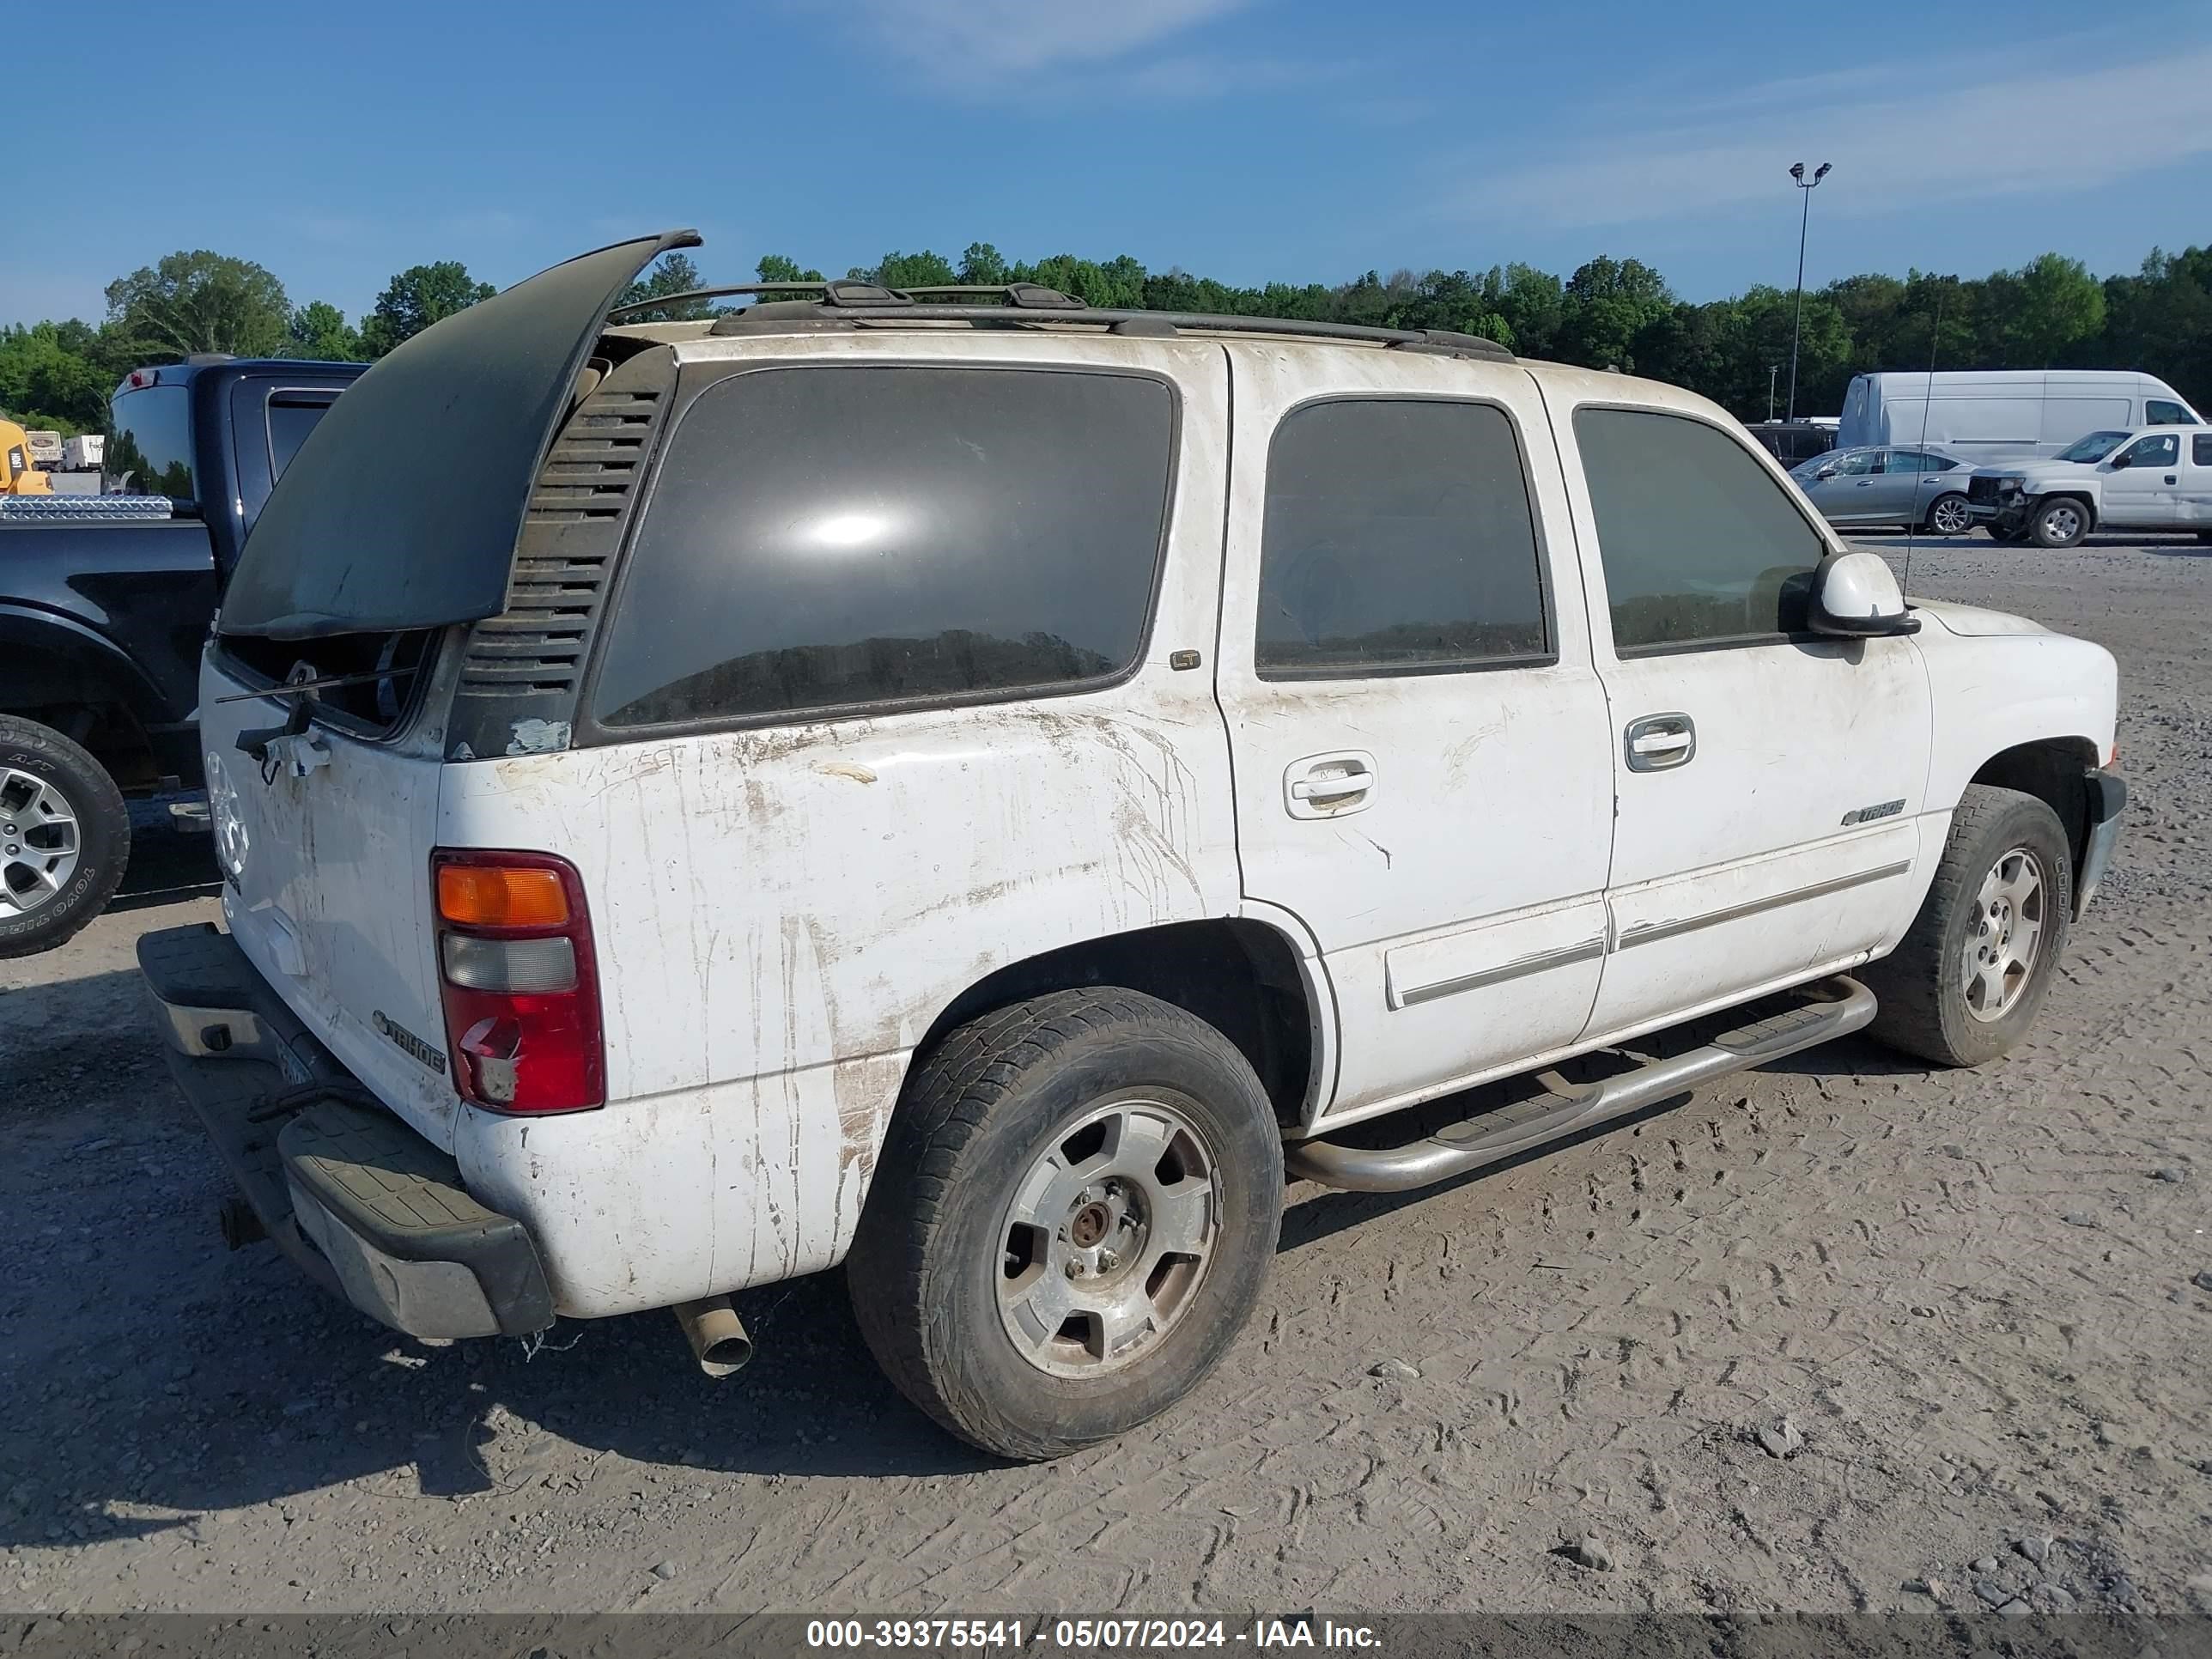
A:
[981,789]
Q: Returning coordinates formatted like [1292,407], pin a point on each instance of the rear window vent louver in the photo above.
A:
[569,539]
[523,665]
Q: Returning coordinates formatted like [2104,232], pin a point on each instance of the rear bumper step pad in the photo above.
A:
[367,1208]
[1845,1005]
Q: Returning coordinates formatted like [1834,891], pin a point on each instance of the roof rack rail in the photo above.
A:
[850,300]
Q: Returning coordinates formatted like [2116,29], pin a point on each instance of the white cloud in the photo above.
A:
[991,46]
[1898,140]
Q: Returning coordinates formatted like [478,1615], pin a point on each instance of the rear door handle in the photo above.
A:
[1660,743]
[1329,786]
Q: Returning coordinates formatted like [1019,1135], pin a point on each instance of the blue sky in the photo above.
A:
[1244,139]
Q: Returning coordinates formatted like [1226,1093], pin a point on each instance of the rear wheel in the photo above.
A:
[1965,983]
[2059,523]
[1948,515]
[64,837]
[1072,1218]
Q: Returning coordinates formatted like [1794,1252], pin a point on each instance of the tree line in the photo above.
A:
[1609,312]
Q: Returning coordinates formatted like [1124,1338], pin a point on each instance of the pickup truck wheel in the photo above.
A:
[1948,515]
[1072,1218]
[2059,523]
[64,837]
[1965,983]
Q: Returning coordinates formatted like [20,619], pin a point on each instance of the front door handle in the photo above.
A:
[1329,786]
[1660,743]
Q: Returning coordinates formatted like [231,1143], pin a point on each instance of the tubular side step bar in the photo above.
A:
[1846,1007]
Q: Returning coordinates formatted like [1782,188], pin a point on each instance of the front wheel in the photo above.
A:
[1965,983]
[1948,515]
[2059,523]
[64,837]
[1072,1218]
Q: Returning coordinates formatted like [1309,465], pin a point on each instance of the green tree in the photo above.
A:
[417,297]
[1607,304]
[923,270]
[199,302]
[983,265]
[2043,313]
[45,383]
[780,268]
[672,273]
[319,332]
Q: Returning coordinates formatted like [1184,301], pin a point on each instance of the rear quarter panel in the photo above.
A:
[782,913]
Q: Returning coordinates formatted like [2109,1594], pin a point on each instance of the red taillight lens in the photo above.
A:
[519,981]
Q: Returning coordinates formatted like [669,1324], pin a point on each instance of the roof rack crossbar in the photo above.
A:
[861,302]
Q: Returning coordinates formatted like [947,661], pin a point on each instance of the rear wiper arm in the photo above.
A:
[321,684]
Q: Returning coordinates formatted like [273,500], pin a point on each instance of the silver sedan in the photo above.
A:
[1919,487]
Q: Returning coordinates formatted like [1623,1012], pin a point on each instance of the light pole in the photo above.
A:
[1806,186]
[1772,370]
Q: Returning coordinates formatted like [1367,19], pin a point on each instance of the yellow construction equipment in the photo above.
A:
[17,476]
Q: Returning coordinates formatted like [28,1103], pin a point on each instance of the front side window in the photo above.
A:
[826,538]
[151,452]
[2200,449]
[1700,546]
[2159,411]
[2165,450]
[1398,538]
[1858,463]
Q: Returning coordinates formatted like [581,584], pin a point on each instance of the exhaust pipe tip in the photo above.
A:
[716,1334]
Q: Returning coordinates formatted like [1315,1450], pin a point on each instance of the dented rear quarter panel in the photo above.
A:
[780,914]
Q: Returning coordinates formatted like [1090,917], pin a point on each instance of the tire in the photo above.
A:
[55,801]
[1941,999]
[2012,538]
[996,1126]
[2060,522]
[1948,515]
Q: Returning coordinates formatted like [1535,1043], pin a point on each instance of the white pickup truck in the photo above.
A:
[2156,478]
[981,790]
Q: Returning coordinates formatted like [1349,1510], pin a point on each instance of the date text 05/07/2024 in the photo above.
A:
[1302,1631]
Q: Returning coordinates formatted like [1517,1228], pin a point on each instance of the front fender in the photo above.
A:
[1997,691]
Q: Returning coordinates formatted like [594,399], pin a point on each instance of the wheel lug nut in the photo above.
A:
[1075,1270]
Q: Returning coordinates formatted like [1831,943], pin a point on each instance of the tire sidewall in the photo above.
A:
[2042,517]
[1939,504]
[966,1338]
[103,822]
[2031,824]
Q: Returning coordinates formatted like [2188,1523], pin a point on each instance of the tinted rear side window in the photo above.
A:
[290,421]
[151,453]
[1397,537]
[825,537]
[1700,544]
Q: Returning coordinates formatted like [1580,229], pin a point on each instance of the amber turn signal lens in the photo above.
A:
[496,896]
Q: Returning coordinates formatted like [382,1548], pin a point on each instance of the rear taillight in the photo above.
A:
[519,981]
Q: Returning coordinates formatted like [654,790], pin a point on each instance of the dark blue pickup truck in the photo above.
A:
[103,611]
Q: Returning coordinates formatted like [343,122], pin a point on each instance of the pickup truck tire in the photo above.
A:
[62,821]
[2060,522]
[1951,991]
[1030,1146]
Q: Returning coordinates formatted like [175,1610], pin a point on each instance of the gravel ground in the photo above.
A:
[1839,1335]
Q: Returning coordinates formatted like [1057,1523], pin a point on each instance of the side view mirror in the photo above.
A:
[1855,596]
[1825,472]
[2120,461]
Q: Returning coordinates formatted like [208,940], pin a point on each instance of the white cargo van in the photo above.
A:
[2005,414]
